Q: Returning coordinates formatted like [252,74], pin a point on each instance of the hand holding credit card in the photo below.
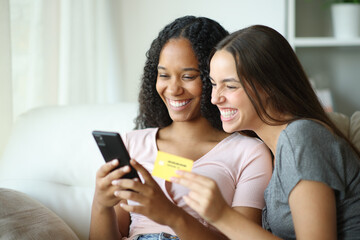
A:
[166,165]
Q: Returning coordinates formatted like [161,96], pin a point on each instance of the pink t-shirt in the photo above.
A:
[240,165]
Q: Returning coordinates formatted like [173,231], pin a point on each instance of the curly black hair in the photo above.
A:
[203,34]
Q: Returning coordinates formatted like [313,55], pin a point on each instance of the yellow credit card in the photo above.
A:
[166,165]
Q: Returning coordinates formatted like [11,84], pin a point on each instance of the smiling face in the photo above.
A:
[237,112]
[178,82]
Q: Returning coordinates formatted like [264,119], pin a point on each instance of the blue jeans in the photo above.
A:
[156,236]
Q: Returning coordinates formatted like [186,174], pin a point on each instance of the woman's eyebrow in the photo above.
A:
[226,80]
[191,69]
[229,80]
[184,69]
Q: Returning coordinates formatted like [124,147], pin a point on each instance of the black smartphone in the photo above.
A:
[112,147]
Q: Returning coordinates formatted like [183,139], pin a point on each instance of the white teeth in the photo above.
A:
[178,103]
[227,113]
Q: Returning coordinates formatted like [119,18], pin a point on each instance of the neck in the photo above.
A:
[199,128]
[270,135]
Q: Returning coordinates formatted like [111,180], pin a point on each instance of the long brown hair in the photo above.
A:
[267,65]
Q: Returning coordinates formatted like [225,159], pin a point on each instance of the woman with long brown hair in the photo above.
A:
[314,193]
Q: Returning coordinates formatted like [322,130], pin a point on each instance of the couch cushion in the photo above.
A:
[341,121]
[355,129]
[22,217]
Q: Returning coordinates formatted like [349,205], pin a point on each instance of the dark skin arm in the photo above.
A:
[157,207]
[105,222]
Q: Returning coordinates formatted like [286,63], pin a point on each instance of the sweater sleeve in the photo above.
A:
[254,177]
[316,154]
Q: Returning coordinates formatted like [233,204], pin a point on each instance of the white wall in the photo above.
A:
[141,20]
[5,75]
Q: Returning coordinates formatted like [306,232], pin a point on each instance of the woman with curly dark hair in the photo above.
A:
[176,116]
[153,111]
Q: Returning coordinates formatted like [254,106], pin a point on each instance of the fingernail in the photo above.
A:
[115,182]
[114,162]
[116,193]
[126,169]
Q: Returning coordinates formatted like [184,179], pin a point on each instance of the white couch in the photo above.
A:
[52,157]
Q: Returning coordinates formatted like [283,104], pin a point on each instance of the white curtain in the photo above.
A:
[71,54]
[5,74]
[57,52]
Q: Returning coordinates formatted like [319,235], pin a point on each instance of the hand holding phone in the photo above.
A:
[112,147]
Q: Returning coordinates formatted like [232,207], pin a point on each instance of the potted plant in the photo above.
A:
[346,18]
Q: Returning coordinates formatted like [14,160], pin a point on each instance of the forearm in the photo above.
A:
[236,226]
[103,224]
[187,227]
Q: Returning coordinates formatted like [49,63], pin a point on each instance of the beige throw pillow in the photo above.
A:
[22,217]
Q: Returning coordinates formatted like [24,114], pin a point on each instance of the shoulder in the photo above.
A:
[240,138]
[304,129]
[305,136]
[246,149]
[246,143]
[308,150]
[141,133]
[140,136]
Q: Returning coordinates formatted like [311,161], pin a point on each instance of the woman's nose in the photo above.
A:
[216,96]
[175,87]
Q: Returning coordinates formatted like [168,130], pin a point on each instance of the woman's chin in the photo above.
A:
[229,128]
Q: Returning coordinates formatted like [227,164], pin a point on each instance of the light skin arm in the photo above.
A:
[253,214]
[207,190]
[313,209]
[205,198]
[312,205]
[105,223]
[157,207]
